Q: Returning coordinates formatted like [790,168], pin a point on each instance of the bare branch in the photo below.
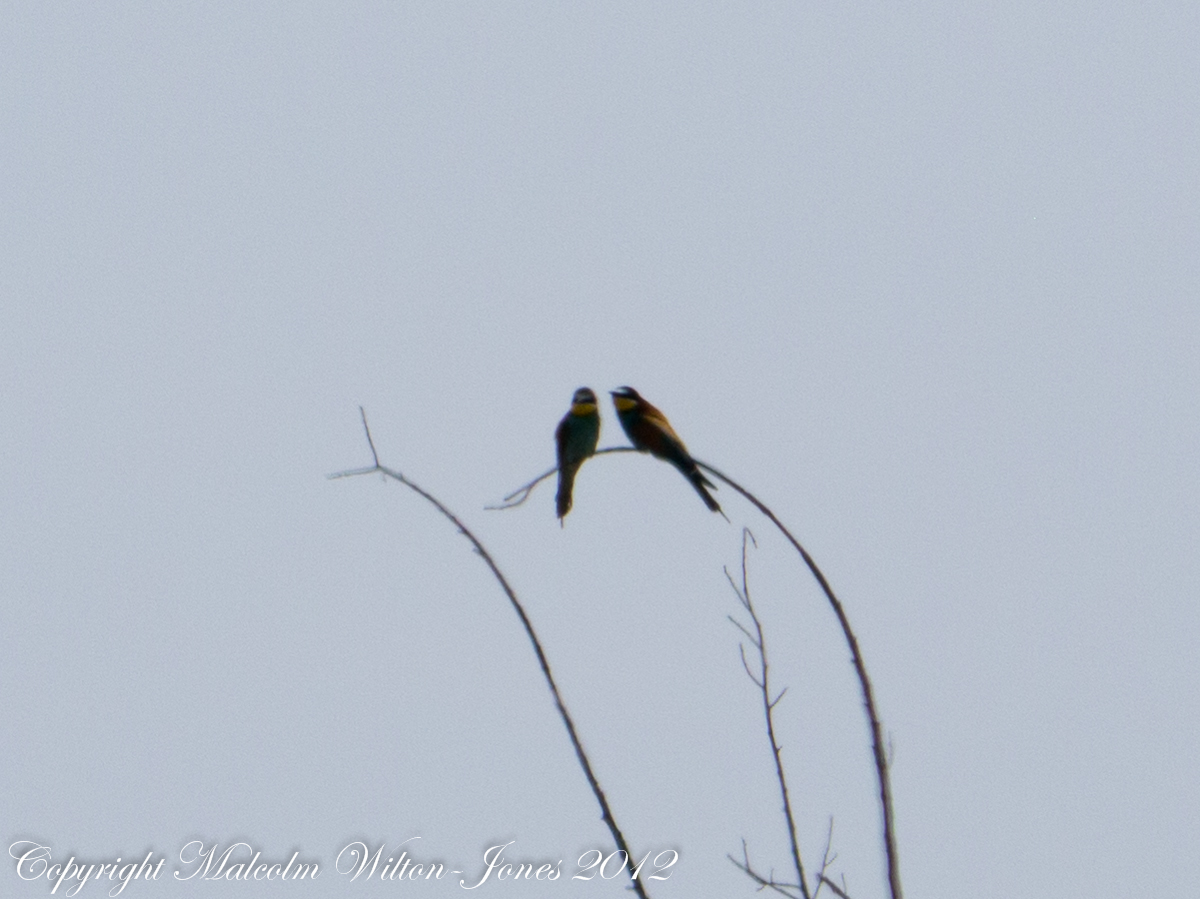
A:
[352,473]
[746,532]
[825,859]
[762,681]
[521,494]
[746,665]
[740,627]
[763,882]
[518,496]
[605,811]
[833,886]
[729,577]
[860,668]
[370,442]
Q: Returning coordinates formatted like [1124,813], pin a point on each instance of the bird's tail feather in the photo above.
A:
[699,481]
[566,481]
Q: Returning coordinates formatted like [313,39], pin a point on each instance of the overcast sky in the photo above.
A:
[926,280]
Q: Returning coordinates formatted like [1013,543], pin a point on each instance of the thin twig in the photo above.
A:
[768,882]
[826,861]
[763,682]
[522,493]
[746,666]
[518,496]
[740,627]
[877,748]
[833,886]
[605,811]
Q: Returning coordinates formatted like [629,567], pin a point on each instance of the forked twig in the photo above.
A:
[763,881]
[833,886]
[605,811]
[860,668]
[826,860]
[522,493]
[762,680]
[877,747]
[518,496]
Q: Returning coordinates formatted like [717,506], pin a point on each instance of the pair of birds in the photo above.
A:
[648,430]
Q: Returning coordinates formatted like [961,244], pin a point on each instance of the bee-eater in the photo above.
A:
[650,432]
[576,437]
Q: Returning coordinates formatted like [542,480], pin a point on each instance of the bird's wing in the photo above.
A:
[560,437]
[654,417]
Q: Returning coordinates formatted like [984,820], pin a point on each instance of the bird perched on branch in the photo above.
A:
[576,437]
[650,432]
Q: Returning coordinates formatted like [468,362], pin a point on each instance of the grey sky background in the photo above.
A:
[925,279]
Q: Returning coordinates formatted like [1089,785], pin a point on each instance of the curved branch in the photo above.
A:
[521,494]
[763,682]
[877,747]
[860,668]
[605,811]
